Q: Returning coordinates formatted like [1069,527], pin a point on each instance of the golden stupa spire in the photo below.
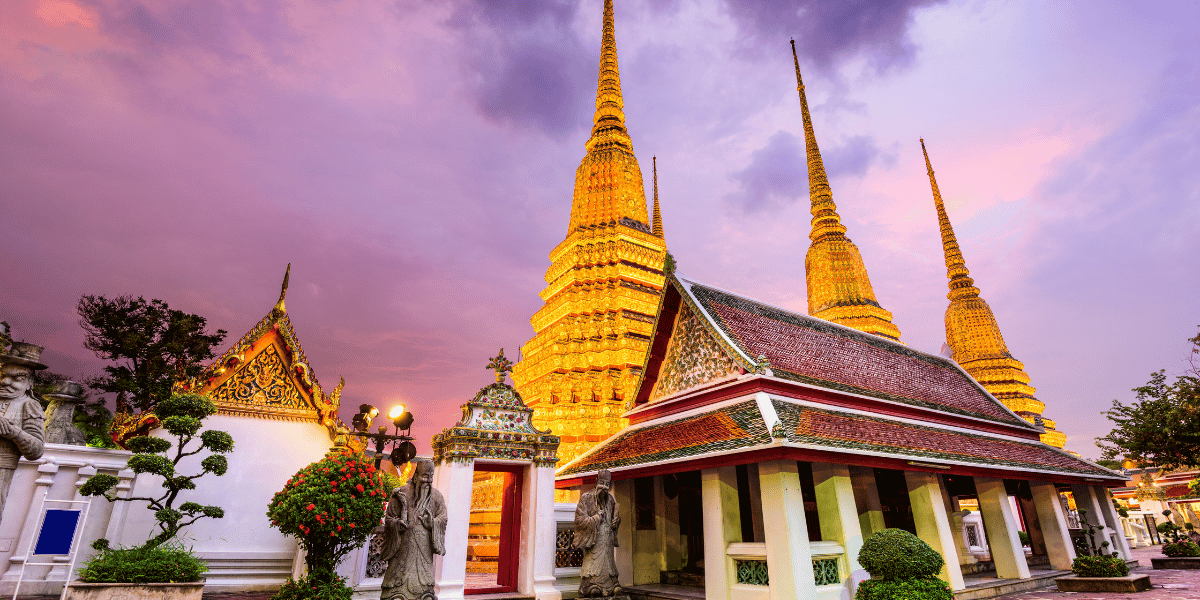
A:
[974,335]
[603,286]
[609,121]
[838,287]
[279,306]
[656,226]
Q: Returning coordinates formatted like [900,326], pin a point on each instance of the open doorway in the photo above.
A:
[494,533]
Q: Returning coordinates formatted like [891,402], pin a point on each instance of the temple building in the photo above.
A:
[605,279]
[766,445]
[838,287]
[974,336]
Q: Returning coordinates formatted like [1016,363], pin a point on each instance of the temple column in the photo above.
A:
[789,558]
[1053,521]
[933,524]
[538,531]
[622,490]
[454,479]
[839,514]
[866,498]
[722,526]
[1086,499]
[1000,521]
[1113,521]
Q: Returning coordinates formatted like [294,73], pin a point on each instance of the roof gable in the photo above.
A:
[693,357]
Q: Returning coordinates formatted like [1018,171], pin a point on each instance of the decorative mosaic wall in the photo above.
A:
[693,357]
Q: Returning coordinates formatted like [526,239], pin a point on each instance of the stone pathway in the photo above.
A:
[1169,584]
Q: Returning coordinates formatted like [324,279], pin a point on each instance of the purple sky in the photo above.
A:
[414,161]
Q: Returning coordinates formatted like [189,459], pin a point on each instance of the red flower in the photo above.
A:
[339,527]
[359,487]
[352,526]
[311,506]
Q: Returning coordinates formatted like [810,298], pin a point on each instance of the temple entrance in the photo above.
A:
[893,497]
[494,533]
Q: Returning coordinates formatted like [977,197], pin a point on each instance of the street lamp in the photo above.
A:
[403,450]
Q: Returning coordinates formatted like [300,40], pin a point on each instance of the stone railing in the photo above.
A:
[752,581]
[567,559]
[58,475]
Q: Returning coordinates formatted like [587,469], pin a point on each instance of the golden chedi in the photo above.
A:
[603,286]
[838,287]
[974,336]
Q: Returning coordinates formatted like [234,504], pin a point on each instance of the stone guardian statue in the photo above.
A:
[22,421]
[597,517]
[414,530]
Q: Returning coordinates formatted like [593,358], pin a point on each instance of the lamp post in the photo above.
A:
[403,449]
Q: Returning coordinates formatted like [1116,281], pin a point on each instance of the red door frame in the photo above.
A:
[510,530]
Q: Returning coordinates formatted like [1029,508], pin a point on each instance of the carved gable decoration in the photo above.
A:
[693,357]
[263,383]
[496,424]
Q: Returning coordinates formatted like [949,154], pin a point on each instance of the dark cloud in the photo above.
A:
[828,31]
[777,174]
[529,66]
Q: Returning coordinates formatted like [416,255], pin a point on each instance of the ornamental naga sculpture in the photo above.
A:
[414,530]
[597,517]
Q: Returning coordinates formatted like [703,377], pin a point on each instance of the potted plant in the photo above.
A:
[902,567]
[1099,570]
[1179,551]
[161,567]
[331,506]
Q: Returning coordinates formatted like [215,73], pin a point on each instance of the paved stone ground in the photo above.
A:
[1169,584]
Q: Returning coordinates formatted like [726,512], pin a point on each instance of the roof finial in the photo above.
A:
[825,220]
[657,227]
[961,284]
[610,114]
[279,307]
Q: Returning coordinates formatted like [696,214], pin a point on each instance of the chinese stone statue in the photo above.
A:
[21,419]
[414,530]
[597,516]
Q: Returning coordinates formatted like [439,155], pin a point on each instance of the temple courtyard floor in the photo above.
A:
[1169,584]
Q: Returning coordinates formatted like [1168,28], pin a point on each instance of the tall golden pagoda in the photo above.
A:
[838,287]
[603,285]
[974,336]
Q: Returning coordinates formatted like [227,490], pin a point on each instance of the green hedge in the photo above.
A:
[930,588]
[1181,548]
[303,589]
[165,563]
[1099,566]
[895,554]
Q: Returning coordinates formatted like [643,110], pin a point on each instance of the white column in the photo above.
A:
[1087,500]
[933,524]
[1001,524]
[866,497]
[838,513]
[453,480]
[1053,521]
[1113,521]
[538,532]
[722,526]
[789,558]
[623,491]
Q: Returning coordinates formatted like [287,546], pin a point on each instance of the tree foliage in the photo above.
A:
[182,416]
[1161,427]
[150,344]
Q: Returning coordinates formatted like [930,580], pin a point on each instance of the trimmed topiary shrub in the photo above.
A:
[1099,566]
[330,506]
[1181,548]
[930,588]
[1025,539]
[895,554]
[164,563]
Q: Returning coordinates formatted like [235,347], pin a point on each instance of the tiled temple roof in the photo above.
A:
[740,427]
[813,351]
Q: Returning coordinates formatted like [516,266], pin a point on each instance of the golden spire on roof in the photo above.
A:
[603,285]
[656,226]
[279,306]
[838,287]
[974,335]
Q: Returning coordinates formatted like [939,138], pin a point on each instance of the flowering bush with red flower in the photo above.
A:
[330,506]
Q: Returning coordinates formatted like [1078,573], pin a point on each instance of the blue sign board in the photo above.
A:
[58,531]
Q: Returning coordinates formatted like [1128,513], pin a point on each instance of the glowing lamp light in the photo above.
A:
[401,418]
[396,412]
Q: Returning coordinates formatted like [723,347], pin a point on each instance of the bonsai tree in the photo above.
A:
[331,506]
[1093,560]
[902,567]
[182,416]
